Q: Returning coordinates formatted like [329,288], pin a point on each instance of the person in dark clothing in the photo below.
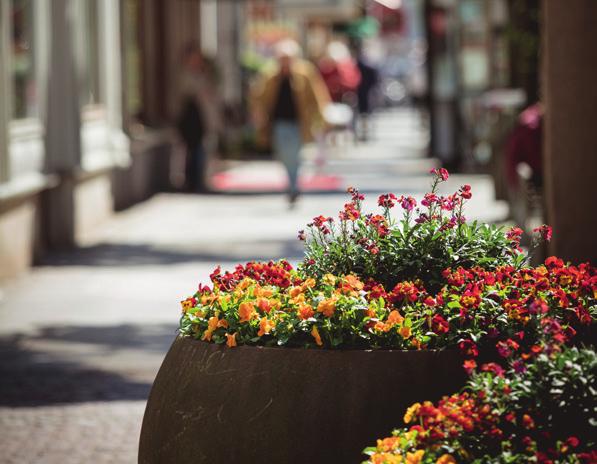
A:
[199,117]
[369,80]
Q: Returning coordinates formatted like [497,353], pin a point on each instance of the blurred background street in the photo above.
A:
[132,163]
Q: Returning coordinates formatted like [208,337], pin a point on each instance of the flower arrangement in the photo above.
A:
[339,298]
[539,408]
[432,281]
[426,240]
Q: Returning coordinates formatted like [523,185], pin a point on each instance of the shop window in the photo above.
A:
[88,50]
[24,83]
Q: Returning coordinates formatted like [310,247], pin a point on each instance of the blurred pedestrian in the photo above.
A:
[287,104]
[199,120]
[368,83]
[340,72]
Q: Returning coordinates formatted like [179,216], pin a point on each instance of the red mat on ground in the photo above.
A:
[226,181]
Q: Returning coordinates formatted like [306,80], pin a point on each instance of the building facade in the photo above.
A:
[88,92]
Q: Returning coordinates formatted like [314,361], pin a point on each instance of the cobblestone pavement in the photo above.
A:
[82,336]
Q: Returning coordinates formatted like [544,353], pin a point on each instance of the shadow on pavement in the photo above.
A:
[118,254]
[70,364]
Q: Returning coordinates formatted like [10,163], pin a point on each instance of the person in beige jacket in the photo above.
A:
[288,103]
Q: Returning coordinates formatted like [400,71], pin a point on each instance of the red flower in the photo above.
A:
[387,200]
[544,231]
[465,192]
[441,173]
[469,348]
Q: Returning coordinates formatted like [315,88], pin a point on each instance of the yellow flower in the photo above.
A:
[327,307]
[415,458]
[186,304]
[404,331]
[246,311]
[265,326]
[329,279]
[231,340]
[316,336]
[446,459]
[212,324]
[410,412]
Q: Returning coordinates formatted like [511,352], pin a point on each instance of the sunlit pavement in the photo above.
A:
[82,336]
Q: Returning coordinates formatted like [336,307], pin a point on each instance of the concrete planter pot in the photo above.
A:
[213,404]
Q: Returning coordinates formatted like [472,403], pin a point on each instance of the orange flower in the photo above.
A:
[370,311]
[265,292]
[231,340]
[246,311]
[353,282]
[212,324]
[388,444]
[414,458]
[295,291]
[264,305]
[305,311]
[222,323]
[446,459]
[404,331]
[327,307]
[244,284]
[309,283]
[208,299]
[394,318]
[265,326]
[411,412]
[316,336]
[386,458]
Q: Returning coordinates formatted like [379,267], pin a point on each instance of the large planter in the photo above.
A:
[213,404]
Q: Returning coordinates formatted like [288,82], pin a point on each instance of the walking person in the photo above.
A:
[199,120]
[287,106]
[367,85]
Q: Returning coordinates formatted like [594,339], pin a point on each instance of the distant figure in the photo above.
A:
[199,118]
[369,81]
[524,146]
[340,72]
[287,106]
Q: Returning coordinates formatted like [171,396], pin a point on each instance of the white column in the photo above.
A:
[63,122]
[111,79]
[5,90]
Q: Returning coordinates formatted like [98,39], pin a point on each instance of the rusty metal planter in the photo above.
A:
[213,404]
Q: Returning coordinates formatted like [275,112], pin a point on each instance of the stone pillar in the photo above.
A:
[570,97]
[63,122]
[5,90]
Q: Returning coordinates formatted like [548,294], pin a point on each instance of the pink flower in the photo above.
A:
[441,173]
[408,203]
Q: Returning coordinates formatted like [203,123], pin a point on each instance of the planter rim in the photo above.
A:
[316,350]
